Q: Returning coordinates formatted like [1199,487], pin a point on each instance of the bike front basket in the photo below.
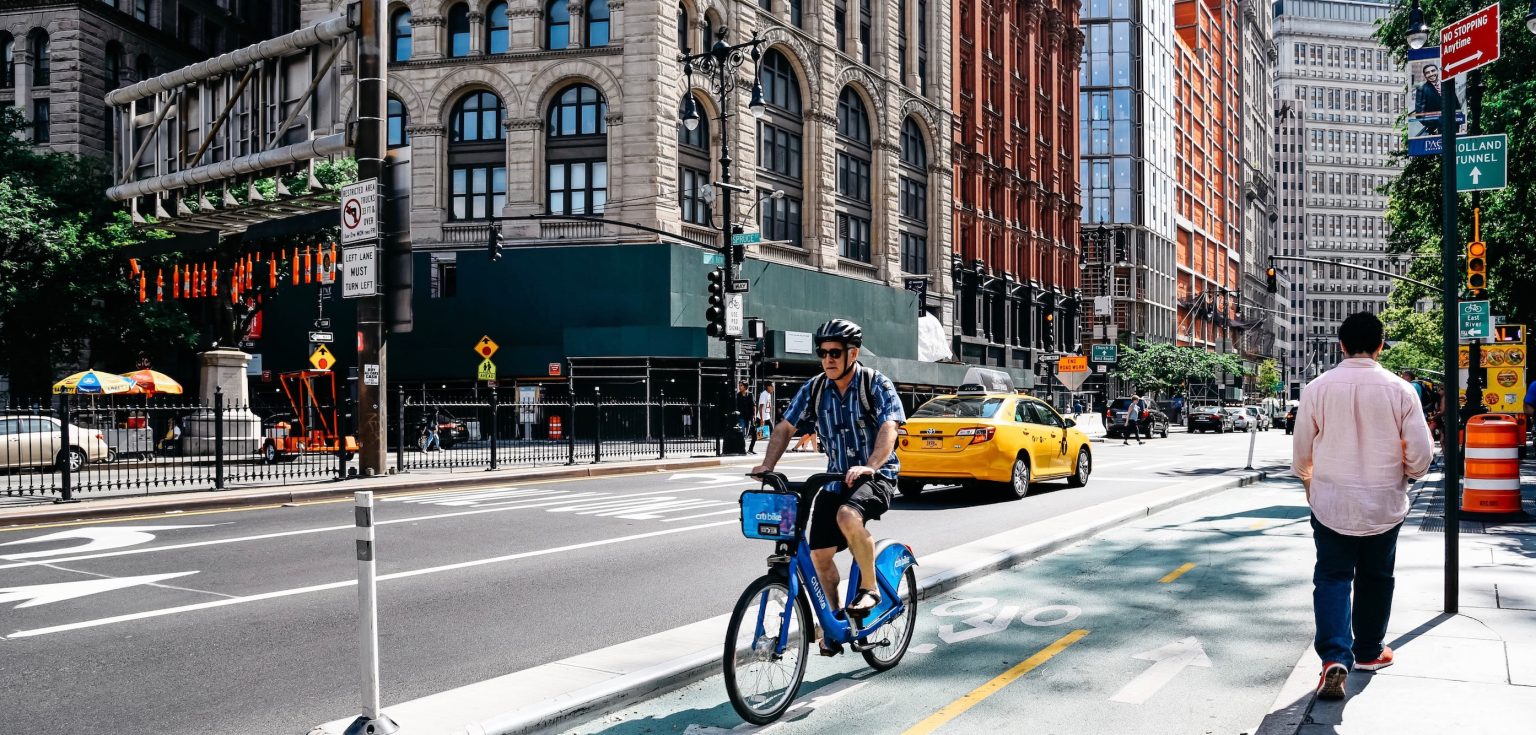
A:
[769,515]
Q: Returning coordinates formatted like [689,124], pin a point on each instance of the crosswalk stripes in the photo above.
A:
[659,505]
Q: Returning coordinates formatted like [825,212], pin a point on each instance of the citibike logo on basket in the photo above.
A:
[768,523]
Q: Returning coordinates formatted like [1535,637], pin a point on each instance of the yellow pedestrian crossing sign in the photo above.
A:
[322,358]
[486,347]
[487,371]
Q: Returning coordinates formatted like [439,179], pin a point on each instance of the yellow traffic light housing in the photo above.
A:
[1477,266]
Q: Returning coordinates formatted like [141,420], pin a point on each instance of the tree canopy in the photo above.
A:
[65,295]
[1163,367]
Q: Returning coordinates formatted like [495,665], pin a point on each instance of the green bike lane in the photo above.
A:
[1188,621]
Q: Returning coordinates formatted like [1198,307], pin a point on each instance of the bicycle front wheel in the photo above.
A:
[762,683]
[893,638]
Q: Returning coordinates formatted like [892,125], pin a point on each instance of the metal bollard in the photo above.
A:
[371,721]
[495,432]
[218,438]
[1253,434]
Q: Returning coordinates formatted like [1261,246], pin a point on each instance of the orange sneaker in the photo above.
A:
[1331,684]
[1378,663]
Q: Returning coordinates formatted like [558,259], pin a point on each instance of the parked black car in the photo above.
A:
[1152,421]
[1210,418]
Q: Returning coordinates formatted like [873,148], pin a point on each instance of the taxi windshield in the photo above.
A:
[959,407]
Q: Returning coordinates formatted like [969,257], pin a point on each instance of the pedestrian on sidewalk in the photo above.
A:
[745,412]
[765,410]
[1360,438]
[1133,421]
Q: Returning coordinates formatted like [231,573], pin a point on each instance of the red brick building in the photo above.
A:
[1208,161]
[1016,204]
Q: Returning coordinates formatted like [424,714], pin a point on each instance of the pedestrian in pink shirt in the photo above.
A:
[1360,438]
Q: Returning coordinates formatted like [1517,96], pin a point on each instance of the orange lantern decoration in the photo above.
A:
[160,285]
[296,267]
[271,274]
[309,265]
[142,284]
[213,279]
[176,281]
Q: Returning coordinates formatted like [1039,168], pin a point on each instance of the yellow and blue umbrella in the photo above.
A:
[94,382]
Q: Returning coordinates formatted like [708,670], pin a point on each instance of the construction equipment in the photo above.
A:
[314,426]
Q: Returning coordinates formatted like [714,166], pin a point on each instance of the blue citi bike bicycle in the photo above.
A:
[771,629]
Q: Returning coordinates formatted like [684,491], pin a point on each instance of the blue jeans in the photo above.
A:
[1347,632]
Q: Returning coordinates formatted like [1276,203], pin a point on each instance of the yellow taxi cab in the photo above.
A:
[989,436]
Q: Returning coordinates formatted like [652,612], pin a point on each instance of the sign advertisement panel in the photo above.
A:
[1425,96]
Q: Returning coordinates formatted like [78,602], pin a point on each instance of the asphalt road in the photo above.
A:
[244,620]
[1189,621]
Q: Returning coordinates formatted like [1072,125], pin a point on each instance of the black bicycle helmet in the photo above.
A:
[840,330]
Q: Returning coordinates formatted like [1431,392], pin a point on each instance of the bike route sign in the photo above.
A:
[1474,323]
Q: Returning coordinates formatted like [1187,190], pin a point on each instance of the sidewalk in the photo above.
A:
[1470,673]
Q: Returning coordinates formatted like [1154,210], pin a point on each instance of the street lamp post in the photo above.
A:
[719,67]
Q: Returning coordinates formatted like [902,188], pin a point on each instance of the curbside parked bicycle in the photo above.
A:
[771,629]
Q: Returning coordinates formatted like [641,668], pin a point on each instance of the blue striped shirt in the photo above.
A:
[846,438]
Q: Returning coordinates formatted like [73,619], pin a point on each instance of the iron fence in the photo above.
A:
[118,444]
[457,431]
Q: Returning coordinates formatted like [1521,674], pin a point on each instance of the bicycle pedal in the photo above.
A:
[862,645]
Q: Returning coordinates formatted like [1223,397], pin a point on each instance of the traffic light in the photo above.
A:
[1050,331]
[493,246]
[1477,267]
[715,315]
[1271,279]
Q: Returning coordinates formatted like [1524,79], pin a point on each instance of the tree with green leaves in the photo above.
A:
[1267,378]
[1163,367]
[1508,215]
[65,294]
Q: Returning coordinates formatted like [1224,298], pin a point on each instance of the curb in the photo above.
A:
[215,499]
[664,675]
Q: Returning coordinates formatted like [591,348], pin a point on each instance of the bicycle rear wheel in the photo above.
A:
[893,638]
[760,683]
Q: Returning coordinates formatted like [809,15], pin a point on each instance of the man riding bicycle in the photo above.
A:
[857,423]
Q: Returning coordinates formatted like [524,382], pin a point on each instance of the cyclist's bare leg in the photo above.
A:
[861,543]
[826,570]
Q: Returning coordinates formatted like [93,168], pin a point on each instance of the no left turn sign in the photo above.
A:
[360,212]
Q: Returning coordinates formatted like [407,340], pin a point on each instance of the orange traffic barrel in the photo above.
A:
[1492,482]
[555,430]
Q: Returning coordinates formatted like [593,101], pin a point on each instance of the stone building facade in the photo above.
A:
[61,57]
[1265,331]
[575,107]
[1342,95]
[1016,205]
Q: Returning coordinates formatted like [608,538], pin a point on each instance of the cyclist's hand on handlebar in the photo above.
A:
[854,473]
[760,470]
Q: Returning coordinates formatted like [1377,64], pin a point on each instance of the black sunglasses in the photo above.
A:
[835,353]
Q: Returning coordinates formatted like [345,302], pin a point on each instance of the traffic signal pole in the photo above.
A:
[371,347]
[1473,405]
[1449,334]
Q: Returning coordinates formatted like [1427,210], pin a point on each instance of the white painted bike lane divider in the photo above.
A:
[542,698]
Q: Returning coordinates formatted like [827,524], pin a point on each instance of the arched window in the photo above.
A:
[557,25]
[498,32]
[113,68]
[8,52]
[42,63]
[780,136]
[400,34]
[695,192]
[477,168]
[684,42]
[477,117]
[397,119]
[458,31]
[854,213]
[576,152]
[914,199]
[597,23]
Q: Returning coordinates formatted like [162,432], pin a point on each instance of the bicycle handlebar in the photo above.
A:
[780,483]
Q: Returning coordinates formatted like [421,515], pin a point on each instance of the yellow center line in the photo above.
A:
[1258,525]
[975,696]
[1175,574]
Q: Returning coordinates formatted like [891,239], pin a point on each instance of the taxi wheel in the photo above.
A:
[1084,466]
[909,489]
[1018,484]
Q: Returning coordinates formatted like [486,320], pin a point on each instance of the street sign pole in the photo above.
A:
[372,348]
[1449,297]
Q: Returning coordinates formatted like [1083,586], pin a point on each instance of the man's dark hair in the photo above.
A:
[1361,332]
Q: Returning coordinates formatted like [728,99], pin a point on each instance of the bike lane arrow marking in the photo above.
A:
[980,625]
[42,594]
[1169,661]
[100,538]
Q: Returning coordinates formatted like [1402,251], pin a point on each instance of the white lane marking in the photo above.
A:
[734,511]
[349,583]
[1169,661]
[161,586]
[1160,478]
[494,508]
[43,594]
[99,538]
[712,478]
[980,625]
